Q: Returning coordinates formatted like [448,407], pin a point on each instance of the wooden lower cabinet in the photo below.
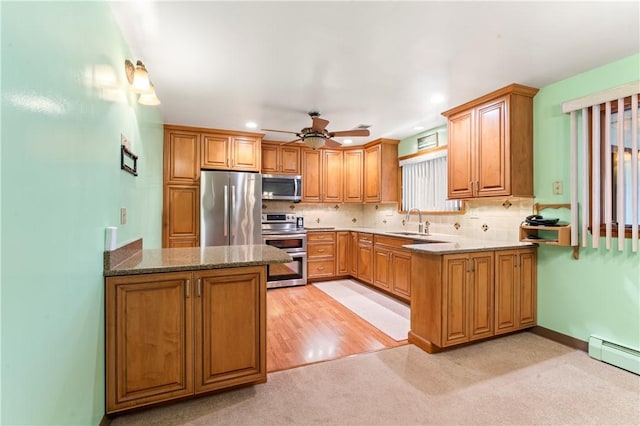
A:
[365,258]
[516,289]
[176,334]
[458,298]
[342,253]
[181,227]
[353,254]
[321,254]
[392,266]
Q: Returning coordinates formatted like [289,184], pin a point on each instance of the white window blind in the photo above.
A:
[424,183]
[620,157]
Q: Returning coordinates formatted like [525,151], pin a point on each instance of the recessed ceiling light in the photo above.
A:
[251,124]
[437,99]
[347,141]
[418,128]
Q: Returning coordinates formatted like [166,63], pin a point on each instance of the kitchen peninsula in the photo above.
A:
[184,321]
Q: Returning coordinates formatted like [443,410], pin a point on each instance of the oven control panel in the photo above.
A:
[278,218]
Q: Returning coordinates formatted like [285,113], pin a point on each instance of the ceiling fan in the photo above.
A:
[317,135]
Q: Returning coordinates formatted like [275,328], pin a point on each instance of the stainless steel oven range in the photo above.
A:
[280,230]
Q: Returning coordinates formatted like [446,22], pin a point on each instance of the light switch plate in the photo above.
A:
[123,215]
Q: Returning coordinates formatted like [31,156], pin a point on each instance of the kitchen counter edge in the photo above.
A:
[147,261]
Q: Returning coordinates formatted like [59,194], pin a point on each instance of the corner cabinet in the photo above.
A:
[381,171]
[176,334]
[490,145]
[463,297]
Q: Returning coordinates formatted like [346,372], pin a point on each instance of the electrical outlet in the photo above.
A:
[123,215]
[557,187]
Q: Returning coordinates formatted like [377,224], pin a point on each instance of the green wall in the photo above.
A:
[64,104]
[409,145]
[598,294]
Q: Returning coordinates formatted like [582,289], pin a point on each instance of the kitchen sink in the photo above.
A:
[416,234]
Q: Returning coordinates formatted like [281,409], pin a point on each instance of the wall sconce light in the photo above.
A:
[138,78]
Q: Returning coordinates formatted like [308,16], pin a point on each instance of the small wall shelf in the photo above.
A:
[557,235]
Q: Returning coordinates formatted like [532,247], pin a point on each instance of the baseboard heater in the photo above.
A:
[614,354]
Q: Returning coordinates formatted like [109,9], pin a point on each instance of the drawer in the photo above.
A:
[365,238]
[320,268]
[313,237]
[392,241]
[321,250]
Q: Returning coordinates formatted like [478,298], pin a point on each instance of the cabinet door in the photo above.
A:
[481,296]
[230,327]
[455,309]
[216,151]
[311,175]
[505,291]
[527,288]
[181,212]
[149,339]
[181,157]
[353,254]
[365,262]
[460,154]
[245,154]
[290,160]
[353,175]
[332,183]
[382,267]
[372,164]
[401,273]
[492,150]
[342,253]
[270,159]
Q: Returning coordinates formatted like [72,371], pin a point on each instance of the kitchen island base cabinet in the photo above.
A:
[460,298]
[176,334]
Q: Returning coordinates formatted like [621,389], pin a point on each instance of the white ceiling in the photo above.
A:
[221,64]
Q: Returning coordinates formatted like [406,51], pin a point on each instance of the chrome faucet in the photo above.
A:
[420,226]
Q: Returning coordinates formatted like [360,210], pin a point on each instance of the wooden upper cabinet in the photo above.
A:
[181,157]
[230,152]
[332,170]
[280,159]
[216,151]
[490,145]
[353,176]
[311,175]
[381,171]
[322,172]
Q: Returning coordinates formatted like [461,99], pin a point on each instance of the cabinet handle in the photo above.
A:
[477,186]
[321,268]
[198,288]
[473,265]
[186,288]
[516,262]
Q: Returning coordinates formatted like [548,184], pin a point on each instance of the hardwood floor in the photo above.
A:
[305,326]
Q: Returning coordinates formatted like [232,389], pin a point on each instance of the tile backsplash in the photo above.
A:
[492,219]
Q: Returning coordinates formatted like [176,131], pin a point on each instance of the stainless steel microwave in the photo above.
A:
[282,187]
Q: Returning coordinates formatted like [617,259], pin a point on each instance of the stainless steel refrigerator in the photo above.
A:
[230,207]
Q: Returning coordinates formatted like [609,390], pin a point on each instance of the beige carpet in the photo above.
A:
[518,379]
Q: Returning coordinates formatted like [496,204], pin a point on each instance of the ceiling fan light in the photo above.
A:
[141,83]
[314,142]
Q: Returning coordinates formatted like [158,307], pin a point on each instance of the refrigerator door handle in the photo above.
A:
[233,209]
[226,210]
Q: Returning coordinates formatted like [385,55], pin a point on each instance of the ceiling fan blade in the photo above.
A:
[355,132]
[330,143]
[295,140]
[279,131]
[319,124]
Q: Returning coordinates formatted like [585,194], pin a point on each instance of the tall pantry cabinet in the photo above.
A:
[187,150]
